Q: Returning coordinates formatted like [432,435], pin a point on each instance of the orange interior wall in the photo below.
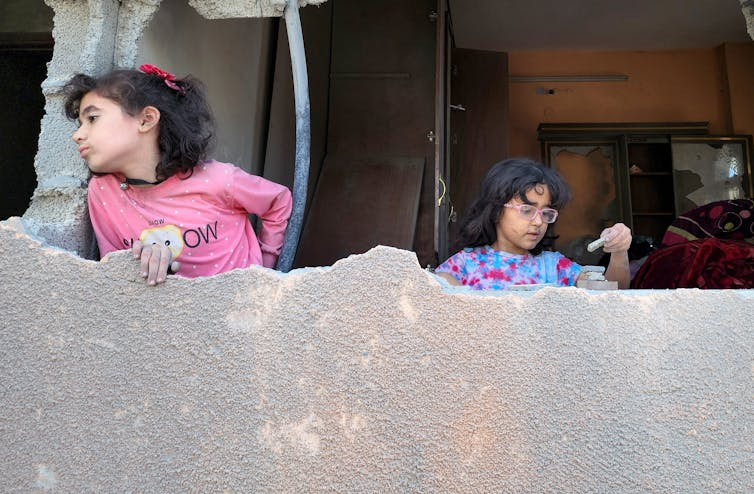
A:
[739,62]
[662,86]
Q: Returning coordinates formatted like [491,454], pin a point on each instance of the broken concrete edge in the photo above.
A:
[747,7]
[225,9]
[60,185]
[24,228]
[116,265]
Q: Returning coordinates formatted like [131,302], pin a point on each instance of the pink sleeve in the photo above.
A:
[271,202]
[107,240]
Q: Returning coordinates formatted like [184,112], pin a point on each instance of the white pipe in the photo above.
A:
[303,135]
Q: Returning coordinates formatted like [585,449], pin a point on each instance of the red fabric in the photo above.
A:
[731,219]
[706,263]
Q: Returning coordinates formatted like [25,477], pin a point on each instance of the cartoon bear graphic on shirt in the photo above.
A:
[168,235]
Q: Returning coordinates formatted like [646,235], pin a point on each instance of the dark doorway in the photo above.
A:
[23,67]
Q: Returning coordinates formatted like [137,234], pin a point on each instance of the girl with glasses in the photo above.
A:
[501,235]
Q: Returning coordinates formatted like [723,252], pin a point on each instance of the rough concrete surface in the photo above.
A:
[747,7]
[368,376]
[133,19]
[225,9]
[84,33]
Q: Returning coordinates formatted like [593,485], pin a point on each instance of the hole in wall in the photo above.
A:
[26,47]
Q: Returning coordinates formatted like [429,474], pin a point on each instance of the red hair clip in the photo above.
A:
[165,76]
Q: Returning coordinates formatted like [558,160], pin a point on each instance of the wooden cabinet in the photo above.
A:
[650,184]
[640,174]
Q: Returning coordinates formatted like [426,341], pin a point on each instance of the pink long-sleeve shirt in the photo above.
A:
[202,218]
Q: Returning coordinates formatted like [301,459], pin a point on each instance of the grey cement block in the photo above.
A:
[597,284]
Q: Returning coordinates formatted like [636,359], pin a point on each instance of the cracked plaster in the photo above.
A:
[367,376]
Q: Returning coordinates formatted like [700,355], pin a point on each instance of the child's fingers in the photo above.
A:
[166,256]
[175,266]
[136,249]
[155,260]
[617,238]
[146,255]
[159,261]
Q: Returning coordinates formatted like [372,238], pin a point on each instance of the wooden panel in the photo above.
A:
[358,204]
[382,78]
[478,134]
[382,90]
[593,129]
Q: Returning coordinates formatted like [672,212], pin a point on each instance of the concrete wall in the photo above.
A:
[747,7]
[364,377]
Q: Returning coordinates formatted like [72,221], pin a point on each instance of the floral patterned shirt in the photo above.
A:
[483,268]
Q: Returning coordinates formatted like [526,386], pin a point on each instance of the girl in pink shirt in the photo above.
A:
[145,135]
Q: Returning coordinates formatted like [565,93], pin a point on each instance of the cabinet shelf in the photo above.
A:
[649,213]
[650,174]
[597,160]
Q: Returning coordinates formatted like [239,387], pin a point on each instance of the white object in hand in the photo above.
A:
[595,245]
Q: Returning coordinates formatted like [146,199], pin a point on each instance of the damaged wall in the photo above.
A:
[367,377]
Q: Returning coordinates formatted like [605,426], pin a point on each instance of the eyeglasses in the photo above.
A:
[529,212]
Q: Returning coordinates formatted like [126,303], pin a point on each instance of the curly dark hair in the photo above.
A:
[186,127]
[505,180]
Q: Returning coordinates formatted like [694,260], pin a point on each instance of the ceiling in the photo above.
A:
[516,25]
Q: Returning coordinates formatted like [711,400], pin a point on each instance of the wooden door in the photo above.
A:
[477,128]
[382,97]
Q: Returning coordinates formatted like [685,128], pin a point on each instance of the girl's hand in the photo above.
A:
[617,238]
[155,262]
[617,241]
